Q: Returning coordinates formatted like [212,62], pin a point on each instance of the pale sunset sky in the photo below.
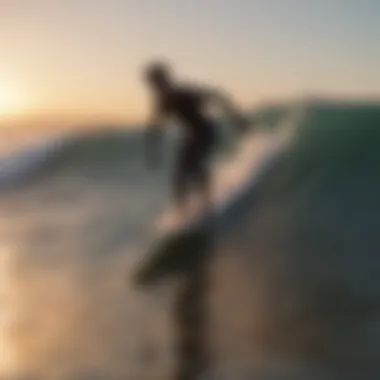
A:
[83,57]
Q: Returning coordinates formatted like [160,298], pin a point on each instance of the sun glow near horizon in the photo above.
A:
[80,60]
[13,100]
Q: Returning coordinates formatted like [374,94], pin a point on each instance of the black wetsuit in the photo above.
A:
[187,106]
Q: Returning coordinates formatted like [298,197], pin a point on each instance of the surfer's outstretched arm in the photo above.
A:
[153,136]
[222,99]
[226,103]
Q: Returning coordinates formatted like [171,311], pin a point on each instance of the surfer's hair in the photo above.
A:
[158,71]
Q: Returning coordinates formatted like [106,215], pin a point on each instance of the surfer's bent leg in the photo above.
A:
[202,171]
[181,176]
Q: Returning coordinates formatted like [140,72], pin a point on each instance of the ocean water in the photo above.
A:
[295,280]
[75,210]
[76,216]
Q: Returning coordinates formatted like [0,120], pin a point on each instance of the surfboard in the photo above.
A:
[178,243]
[191,235]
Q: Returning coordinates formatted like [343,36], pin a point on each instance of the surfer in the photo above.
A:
[188,106]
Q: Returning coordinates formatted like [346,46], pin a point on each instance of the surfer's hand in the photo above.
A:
[153,145]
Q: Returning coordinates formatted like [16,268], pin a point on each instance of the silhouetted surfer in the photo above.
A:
[189,107]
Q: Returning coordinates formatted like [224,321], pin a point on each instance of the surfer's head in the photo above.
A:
[158,75]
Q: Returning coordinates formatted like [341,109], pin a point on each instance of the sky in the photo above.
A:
[84,57]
